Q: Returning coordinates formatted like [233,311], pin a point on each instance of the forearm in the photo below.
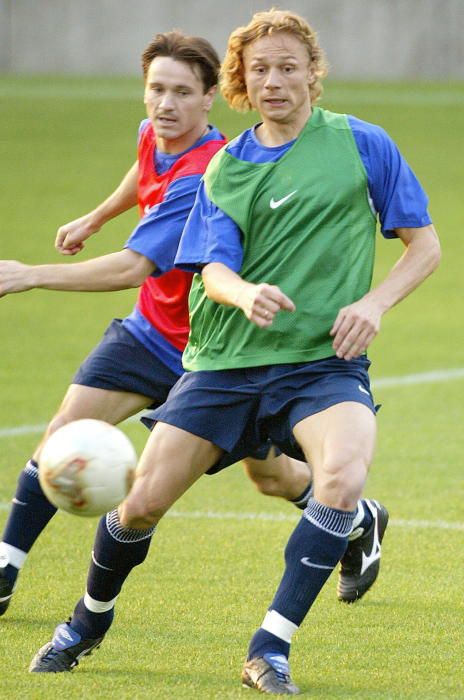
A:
[223,285]
[420,259]
[259,302]
[122,270]
[122,199]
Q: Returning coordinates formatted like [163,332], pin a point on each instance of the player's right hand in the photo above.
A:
[14,277]
[71,236]
[261,302]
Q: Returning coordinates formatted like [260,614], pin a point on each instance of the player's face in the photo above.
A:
[277,76]
[176,103]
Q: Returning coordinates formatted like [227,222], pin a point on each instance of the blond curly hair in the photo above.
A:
[232,79]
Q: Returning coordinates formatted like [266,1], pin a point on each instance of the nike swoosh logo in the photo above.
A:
[369,559]
[308,562]
[18,503]
[364,391]
[274,203]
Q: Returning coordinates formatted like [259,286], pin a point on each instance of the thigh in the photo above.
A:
[339,443]
[109,405]
[171,462]
[89,402]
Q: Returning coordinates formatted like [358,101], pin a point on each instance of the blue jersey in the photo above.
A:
[394,193]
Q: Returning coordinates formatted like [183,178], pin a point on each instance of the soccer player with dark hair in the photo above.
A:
[282,314]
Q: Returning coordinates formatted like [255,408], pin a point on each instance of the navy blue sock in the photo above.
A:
[88,624]
[315,547]
[301,501]
[30,513]
[116,551]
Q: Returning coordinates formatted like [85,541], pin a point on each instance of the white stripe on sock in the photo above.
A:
[11,555]
[279,626]
[98,606]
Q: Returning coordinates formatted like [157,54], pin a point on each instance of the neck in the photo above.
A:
[272,133]
[182,143]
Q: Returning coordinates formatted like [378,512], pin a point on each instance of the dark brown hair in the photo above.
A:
[194,50]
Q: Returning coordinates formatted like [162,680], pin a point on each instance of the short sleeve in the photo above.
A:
[158,233]
[209,236]
[396,194]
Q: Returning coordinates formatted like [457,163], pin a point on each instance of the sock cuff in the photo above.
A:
[32,468]
[98,606]
[336,522]
[11,555]
[279,626]
[304,497]
[125,534]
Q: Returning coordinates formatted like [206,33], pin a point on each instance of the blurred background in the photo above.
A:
[369,39]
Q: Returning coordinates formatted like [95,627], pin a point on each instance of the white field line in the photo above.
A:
[282,517]
[440,375]
[291,518]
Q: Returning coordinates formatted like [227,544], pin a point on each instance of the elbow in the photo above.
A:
[136,274]
[435,255]
[134,280]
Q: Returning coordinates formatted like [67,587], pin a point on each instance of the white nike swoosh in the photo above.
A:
[369,559]
[308,562]
[276,203]
[364,391]
[18,503]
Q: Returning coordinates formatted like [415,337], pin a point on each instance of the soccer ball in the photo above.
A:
[87,467]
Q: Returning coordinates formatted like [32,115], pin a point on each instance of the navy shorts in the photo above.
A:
[121,363]
[240,410]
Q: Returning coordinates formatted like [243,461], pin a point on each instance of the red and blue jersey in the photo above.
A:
[167,187]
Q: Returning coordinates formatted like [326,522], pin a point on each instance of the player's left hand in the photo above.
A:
[355,328]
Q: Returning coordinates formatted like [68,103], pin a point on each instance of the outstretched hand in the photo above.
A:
[14,277]
[71,236]
[261,302]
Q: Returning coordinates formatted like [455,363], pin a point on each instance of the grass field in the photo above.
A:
[185,617]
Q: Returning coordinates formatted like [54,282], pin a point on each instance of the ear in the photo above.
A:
[209,98]
[311,75]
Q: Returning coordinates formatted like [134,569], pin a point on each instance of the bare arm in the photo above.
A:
[357,324]
[71,236]
[259,302]
[122,270]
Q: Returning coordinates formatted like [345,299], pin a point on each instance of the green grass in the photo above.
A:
[185,617]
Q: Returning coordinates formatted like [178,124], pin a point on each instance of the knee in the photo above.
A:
[139,516]
[268,485]
[341,482]
[56,422]
[141,510]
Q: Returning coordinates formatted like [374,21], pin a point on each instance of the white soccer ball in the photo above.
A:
[87,467]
